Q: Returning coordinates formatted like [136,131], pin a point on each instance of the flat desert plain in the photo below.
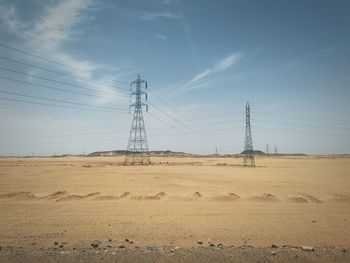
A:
[175,210]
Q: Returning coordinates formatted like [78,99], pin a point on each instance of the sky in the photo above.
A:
[65,69]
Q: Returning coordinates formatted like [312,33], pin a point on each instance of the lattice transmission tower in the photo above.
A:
[137,151]
[248,159]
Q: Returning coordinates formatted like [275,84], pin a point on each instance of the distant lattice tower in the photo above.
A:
[137,151]
[248,159]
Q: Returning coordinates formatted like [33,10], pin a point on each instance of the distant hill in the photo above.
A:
[256,152]
[108,153]
[152,153]
[177,154]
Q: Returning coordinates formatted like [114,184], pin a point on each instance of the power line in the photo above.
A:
[167,105]
[60,101]
[75,103]
[173,118]
[53,62]
[86,105]
[53,88]
[52,80]
[169,125]
[303,122]
[51,71]
[57,136]
[55,105]
[184,125]
[301,117]
[167,114]
[187,140]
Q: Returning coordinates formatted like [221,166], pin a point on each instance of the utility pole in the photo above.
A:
[275,149]
[267,149]
[137,150]
[248,159]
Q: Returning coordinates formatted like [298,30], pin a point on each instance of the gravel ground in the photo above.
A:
[174,254]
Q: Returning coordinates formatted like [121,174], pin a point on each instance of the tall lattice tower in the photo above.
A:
[137,151]
[248,159]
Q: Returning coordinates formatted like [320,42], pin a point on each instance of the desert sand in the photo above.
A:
[50,206]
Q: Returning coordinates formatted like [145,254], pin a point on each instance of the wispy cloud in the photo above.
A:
[154,16]
[167,2]
[227,62]
[55,27]
[57,24]
[200,81]
[10,20]
[161,36]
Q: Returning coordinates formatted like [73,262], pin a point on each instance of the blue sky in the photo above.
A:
[203,61]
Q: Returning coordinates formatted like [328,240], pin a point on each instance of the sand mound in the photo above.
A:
[234,195]
[157,196]
[225,198]
[92,194]
[312,198]
[18,196]
[112,197]
[197,194]
[265,197]
[77,197]
[297,199]
[56,195]
[125,194]
[342,198]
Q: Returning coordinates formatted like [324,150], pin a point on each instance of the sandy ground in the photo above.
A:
[294,201]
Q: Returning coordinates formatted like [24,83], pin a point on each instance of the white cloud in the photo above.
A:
[227,62]
[161,36]
[198,86]
[154,16]
[201,75]
[198,82]
[55,27]
[9,18]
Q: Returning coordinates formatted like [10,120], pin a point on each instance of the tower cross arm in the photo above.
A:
[137,93]
[138,105]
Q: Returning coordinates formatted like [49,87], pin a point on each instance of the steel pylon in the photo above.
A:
[137,150]
[248,159]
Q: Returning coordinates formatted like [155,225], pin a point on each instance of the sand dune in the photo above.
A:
[112,197]
[18,196]
[297,199]
[56,195]
[312,198]
[156,196]
[265,197]
[77,197]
